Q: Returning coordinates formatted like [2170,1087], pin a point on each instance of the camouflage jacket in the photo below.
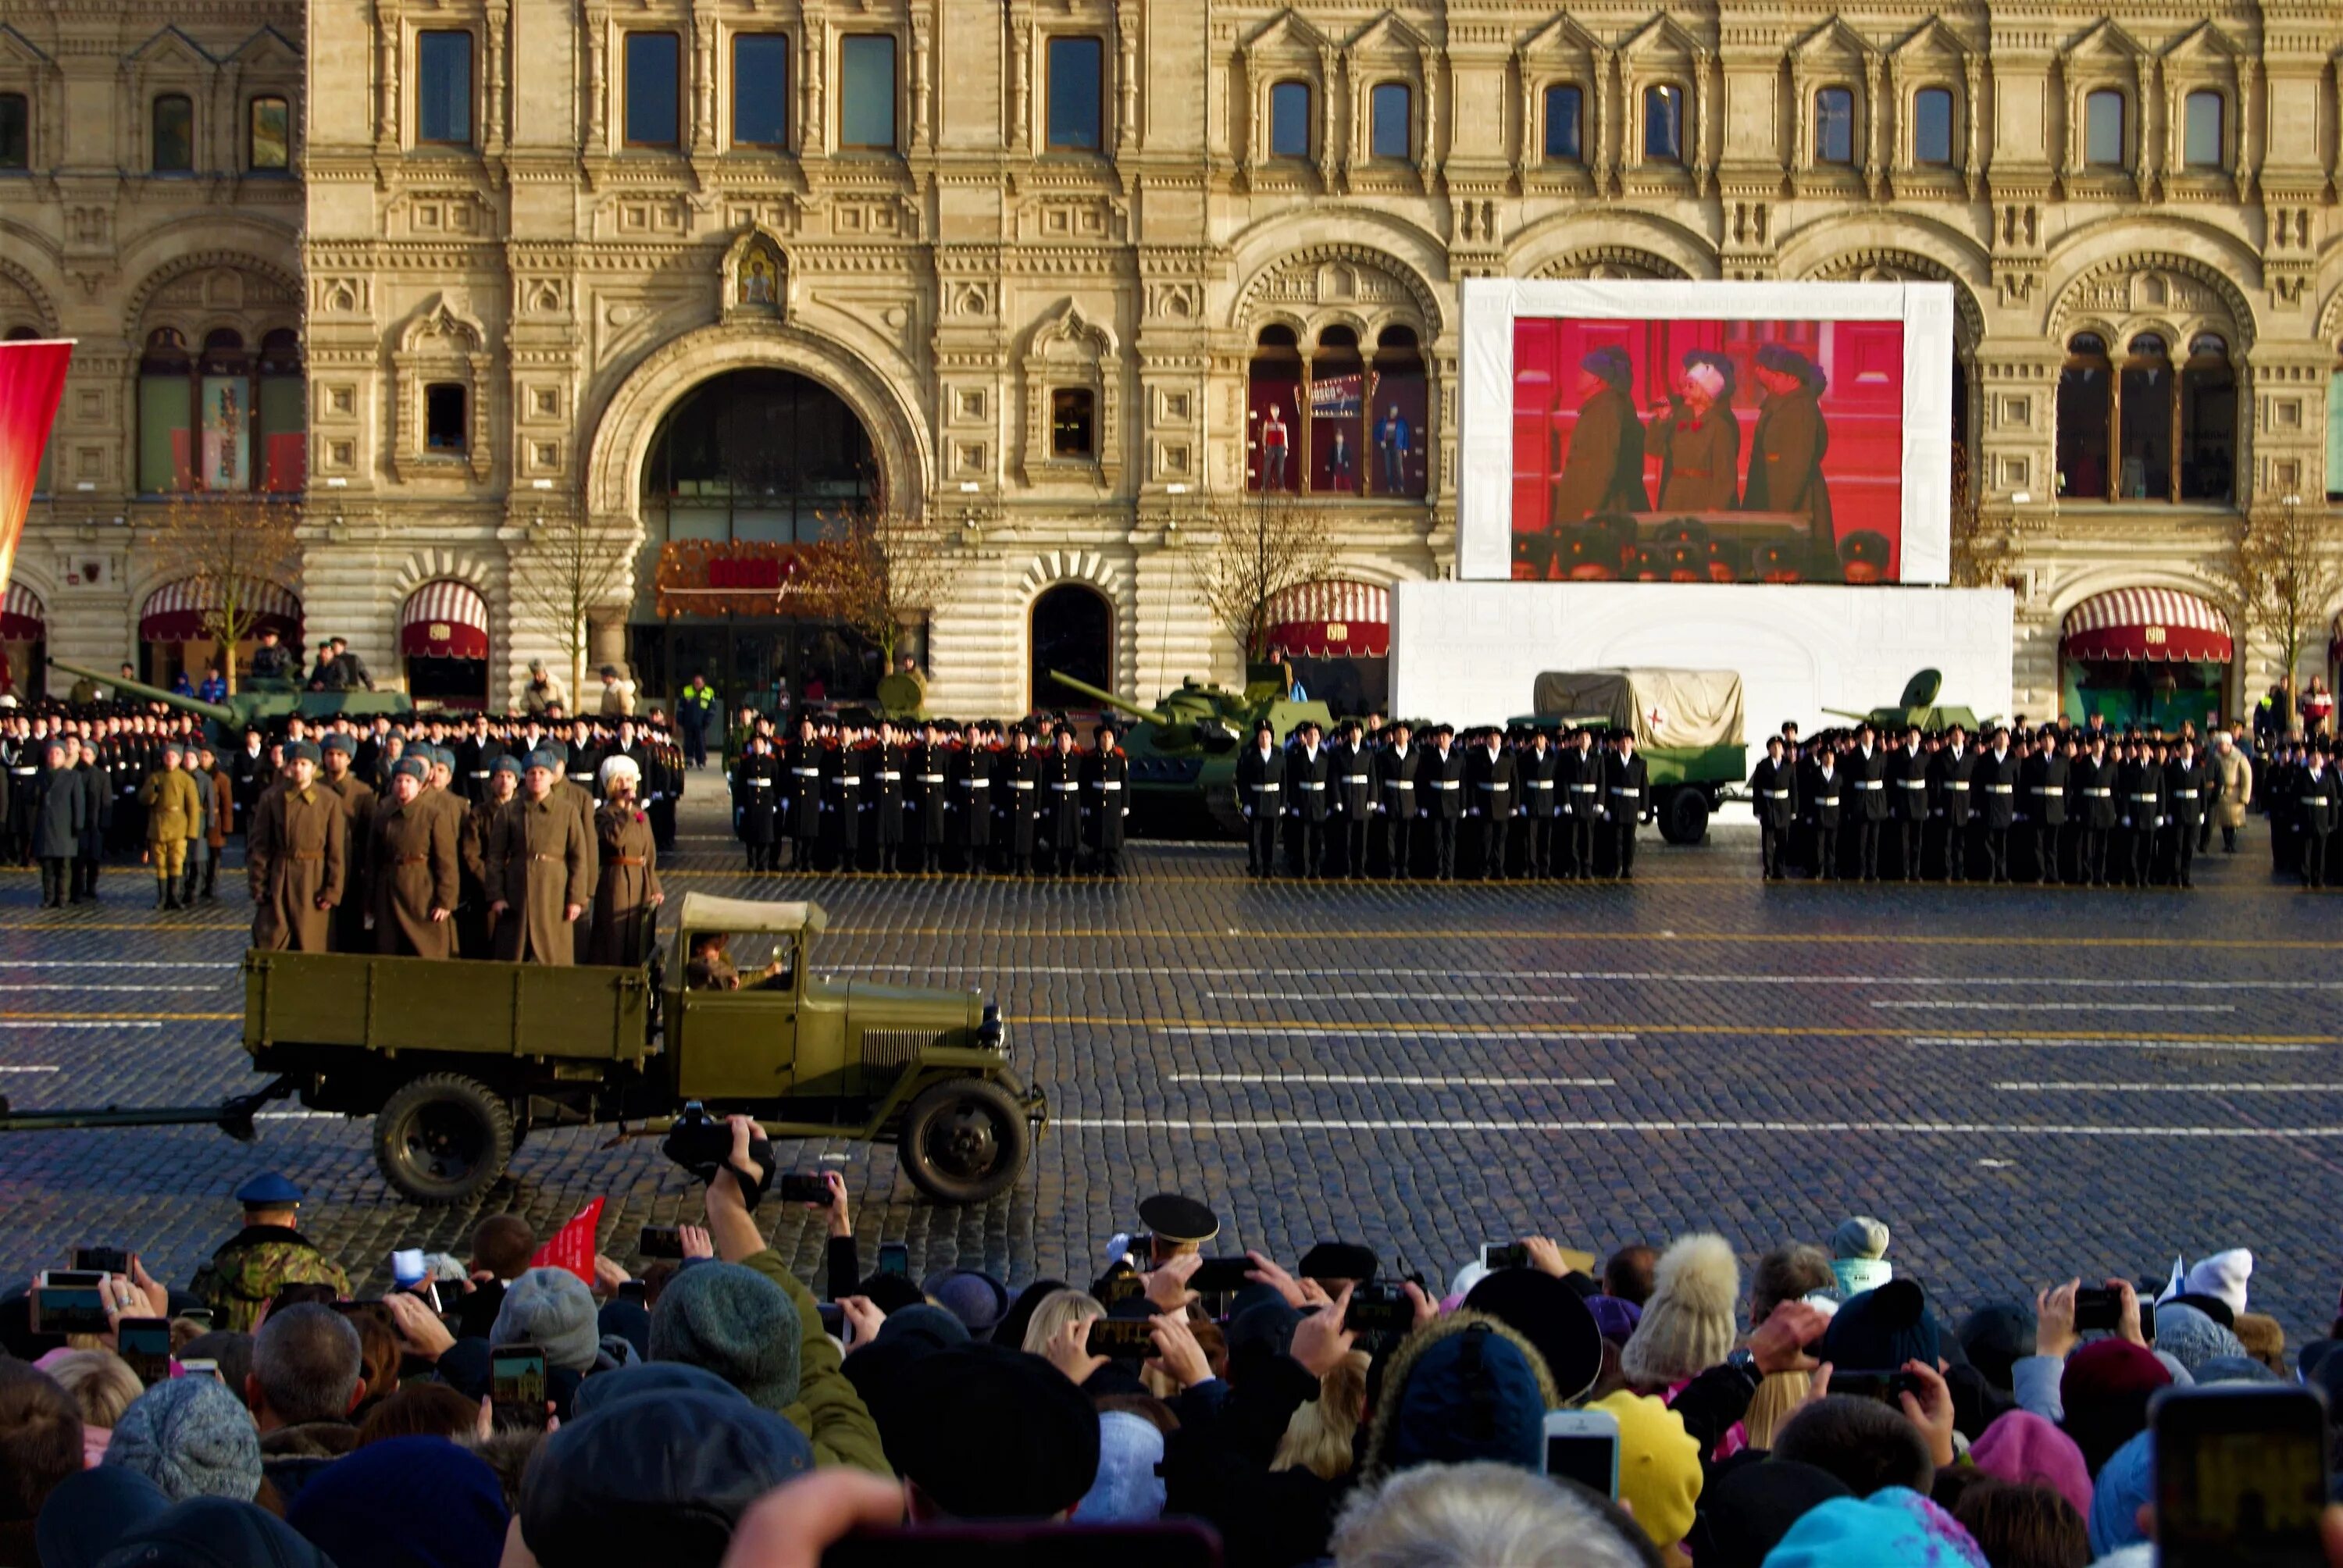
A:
[245,1274]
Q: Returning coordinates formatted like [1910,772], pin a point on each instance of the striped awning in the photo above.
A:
[181,611]
[444,619]
[1331,620]
[22,618]
[2161,626]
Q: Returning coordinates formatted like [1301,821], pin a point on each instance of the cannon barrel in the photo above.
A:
[1153,715]
[214,711]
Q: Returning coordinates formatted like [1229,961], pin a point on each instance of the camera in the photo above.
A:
[1380,1307]
[702,1144]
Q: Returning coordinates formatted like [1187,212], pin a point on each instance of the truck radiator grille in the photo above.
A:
[894,1048]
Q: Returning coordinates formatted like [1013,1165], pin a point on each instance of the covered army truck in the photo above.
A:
[1687,725]
[458,1061]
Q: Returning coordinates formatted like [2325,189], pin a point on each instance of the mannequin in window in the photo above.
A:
[1696,439]
[1600,469]
[1338,461]
[1276,442]
[1390,445]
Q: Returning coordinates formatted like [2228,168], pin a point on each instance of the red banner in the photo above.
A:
[32,381]
[572,1246]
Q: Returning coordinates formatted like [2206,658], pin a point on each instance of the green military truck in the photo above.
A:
[1687,729]
[458,1061]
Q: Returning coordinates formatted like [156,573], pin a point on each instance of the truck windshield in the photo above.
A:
[721,961]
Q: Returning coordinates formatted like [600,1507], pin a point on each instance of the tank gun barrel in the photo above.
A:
[1153,715]
[214,711]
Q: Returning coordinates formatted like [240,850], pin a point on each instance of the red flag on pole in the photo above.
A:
[572,1246]
[32,381]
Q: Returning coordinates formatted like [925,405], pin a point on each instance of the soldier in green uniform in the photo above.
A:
[1696,439]
[263,1258]
[172,808]
[539,875]
[1600,469]
[1786,452]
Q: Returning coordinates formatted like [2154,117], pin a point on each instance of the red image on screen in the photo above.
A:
[1707,452]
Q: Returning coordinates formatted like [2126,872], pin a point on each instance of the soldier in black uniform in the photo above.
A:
[1908,783]
[1397,798]
[1261,797]
[1309,768]
[1821,798]
[1578,781]
[24,758]
[1351,798]
[2091,780]
[1536,773]
[585,760]
[756,782]
[2140,783]
[1016,785]
[2318,807]
[1626,789]
[1995,782]
[1773,795]
[1866,775]
[1106,800]
[801,794]
[928,762]
[1061,803]
[888,803]
[1440,795]
[2045,777]
[1489,797]
[2184,786]
[969,765]
[2280,792]
[842,802]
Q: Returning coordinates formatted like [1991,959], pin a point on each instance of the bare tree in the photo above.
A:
[234,548]
[1261,546]
[2282,571]
[572,569]
[881,568]
[1983,549]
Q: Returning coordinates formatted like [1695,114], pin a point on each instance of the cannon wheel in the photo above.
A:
[963,1140]
[1684,817]
[443,1137]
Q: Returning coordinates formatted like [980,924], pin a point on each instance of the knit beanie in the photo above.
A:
[2021,1447]
[1859,1255]
[2191,1338]
[2105,1389]
[1128,1489]
[1659,1465]
[552,1310]
[735,1323]
[2223,1275]
[192,1438]
[1688,1324]
[1892,1528]
[405,1502]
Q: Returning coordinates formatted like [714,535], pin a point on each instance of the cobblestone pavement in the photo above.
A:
[2020,1082]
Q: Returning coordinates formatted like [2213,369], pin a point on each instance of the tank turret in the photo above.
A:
[226,721]
[1183,751]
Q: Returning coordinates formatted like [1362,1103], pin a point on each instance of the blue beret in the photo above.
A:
[411,766]
[300,750]
[334,740]
[268,1190]
[509,763]
[550,761]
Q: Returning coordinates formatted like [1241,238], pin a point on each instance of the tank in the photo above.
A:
[1917,706]
[224,722]
[1183,751]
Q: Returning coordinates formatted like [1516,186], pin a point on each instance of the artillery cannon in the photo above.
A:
[1918,706]
[265,704]
[1183,751]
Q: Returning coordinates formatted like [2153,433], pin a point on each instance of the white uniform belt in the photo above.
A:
[1623,788]
[898,777]
[2315,801]
[1588,789]
[807,772]
[1110,783]
[1911,783]
[1486,784]
[1775,794]
[1065,789]
[2145,797]
[1308,784]
[1541,783]
[1265,788]
[1870,784]
[1403,783]
[2002,788]
[760,783]
[2100,794]
[1445,783]
[931,777]
[1021,784]
[482,772]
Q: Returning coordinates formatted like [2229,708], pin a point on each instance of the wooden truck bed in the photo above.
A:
[373,1002]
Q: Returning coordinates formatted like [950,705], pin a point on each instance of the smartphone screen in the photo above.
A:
[833,1319]
[1120,1339]
[635,1291]
[75,1279]
[1495,1255]
[660,1241]
[101,1261]
[1217,1276]
[68,1310]
[145,1344]
[516,1385]
[1590,1459]
[895,1257]
[1379,1309]
[1885,1386]
[2097,1310]
[796,1188]
[2240,1477]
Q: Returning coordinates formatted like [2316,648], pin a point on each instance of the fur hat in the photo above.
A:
[1611,363]
[1688,1324]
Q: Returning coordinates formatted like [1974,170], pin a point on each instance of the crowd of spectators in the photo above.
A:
[1821,1411]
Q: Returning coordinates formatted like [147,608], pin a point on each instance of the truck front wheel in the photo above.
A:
[964,1140]
[443,1137]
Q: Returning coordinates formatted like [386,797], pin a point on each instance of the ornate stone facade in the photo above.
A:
[1230,168]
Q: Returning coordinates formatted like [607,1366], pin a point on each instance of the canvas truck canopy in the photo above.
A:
[702,912]
[1664,708]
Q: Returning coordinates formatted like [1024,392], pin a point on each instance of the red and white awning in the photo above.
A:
[444,619]
[1331,620]
[181,611]
[2151,625]
[21,618]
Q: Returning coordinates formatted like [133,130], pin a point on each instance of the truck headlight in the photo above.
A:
[990,1034]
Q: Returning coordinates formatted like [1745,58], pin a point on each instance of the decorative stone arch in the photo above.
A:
[2180,292]
[2331,319]
[899,440]
[1070,350]
[443,343]
[1101,575]
[1316,277]
[1609,261]
[1884,264]
[435,562]
[24,302]
[278,294]
[1631,244]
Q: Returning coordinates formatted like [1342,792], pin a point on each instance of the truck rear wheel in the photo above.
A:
[443,1137]
[1684,817]
[964,1140]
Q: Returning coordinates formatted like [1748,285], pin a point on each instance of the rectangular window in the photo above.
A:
[760,90]
[1664,124]
[1835,125]
[653,84]
[1077,88]
[268,137]
[866,91]
[1288,120]
[1073,422]
[444,426]
[1563,118]
[167,414]
[1932,127]
[2103,129]
[2201,136]
[1389,134]
[175,134]
[443,93]
[15,131]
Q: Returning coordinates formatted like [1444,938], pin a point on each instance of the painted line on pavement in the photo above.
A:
[1499,934]
[2016,1086]
[2105,1043]
[1632,1030]
[1630,976]
[124,964]
[31,1018]
[2091,1007]
[1376,996]
[1425,1080]
[1408,1031]
[60,1023]
[31,1070]
[77,989]
[1468,1124]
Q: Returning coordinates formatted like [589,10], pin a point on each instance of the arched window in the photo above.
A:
[1835,125]
[1663,120]
[2204,141]
[268,137]
[2104,131]
[2086,419]
[2208,421]
[173,142]
[1565,116]
[1288,120]
[222,419]
[1273,454]
[1337,413]
[1390,130]
[1932,126]
[2148,408]
[167,407]
[1395,417]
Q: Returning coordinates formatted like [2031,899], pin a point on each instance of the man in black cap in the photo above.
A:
[1578,782]
[1016,788]
[1489,798]
[1600,469]
[1626,789]
[1774,792]
[1308,767]
[1996,785]
[1786,452]
[1398,800]
[1261,797]
[1106,800]
[1867,776]
[1908,785]
[1350,796]
[1440,796]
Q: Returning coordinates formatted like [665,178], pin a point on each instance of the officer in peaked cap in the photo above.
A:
[1175,1226]
[244,1276]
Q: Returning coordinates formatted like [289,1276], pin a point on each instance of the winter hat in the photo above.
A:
[190,1437]
[2191,1338]
[1880,1330]
[2104,1389]
[1128,1489]
[88,1515]
[1553,1318]
[214,1532]
[1688,1324]
[2127,1481]
[2224,1274]
[974,1297]
[1611,363]
[405,1502]
[1659,1465]
[1615,1317]
[736,1324]
[1473,1392]
[1894,1528]
[1859,1255]
[2022,1447]
[628,1322]
[997,1434]
[2235,1368]
[552,1310]
[1995,1338]
[1461,1283]
[1749,1507]
[1706,377]
[930,1326]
